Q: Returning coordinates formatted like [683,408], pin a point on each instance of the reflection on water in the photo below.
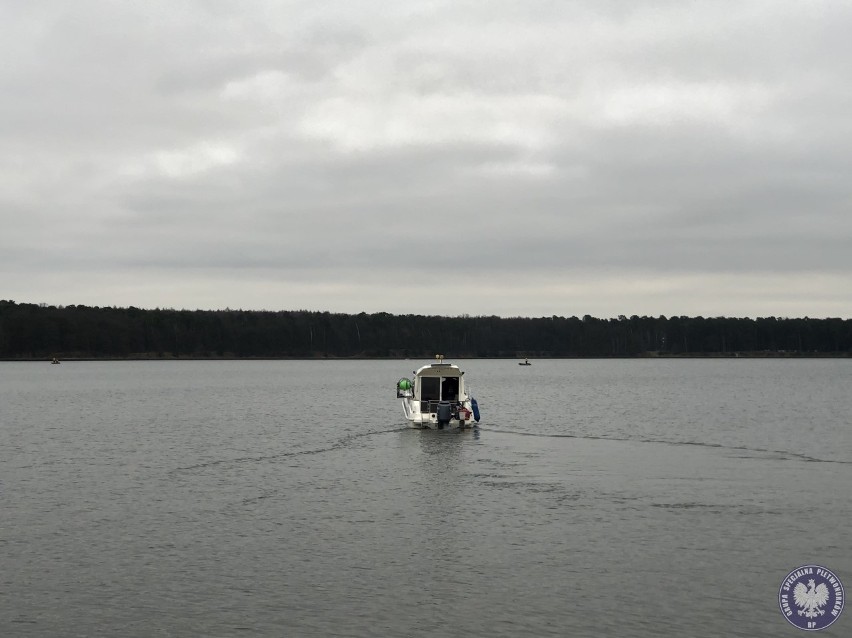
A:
[446,443]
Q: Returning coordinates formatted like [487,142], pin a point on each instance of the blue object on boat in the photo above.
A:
[475,407]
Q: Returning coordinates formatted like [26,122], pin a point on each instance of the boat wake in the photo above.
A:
[780,455]
[337,445]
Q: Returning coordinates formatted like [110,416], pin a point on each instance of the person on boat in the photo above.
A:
[450,390]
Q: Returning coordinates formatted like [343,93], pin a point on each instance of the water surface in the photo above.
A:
[599,498]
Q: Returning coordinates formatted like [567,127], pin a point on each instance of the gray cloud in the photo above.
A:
[517,158]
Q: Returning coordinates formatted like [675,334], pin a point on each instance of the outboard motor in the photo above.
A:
[444,413]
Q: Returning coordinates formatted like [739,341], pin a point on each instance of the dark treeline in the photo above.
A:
[32,331]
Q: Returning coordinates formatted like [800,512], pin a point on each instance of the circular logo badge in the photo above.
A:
[811,597]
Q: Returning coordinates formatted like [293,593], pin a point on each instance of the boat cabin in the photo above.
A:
[438,382]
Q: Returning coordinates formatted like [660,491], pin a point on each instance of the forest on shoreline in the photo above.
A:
[40,331]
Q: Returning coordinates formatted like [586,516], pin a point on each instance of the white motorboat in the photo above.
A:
[438,397]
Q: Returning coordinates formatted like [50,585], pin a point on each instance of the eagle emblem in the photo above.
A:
[811,598]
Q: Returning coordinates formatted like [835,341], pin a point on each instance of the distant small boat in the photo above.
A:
[525,362]
[55,361]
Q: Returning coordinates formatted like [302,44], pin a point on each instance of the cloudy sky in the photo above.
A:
[515,158]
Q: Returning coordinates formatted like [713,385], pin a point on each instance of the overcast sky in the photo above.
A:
[514,158]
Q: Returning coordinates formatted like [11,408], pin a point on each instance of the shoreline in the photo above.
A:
[710,355]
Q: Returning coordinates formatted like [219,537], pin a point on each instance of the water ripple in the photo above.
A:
[781,455]
[337,445]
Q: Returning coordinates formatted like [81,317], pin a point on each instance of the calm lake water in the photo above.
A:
[285,498]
